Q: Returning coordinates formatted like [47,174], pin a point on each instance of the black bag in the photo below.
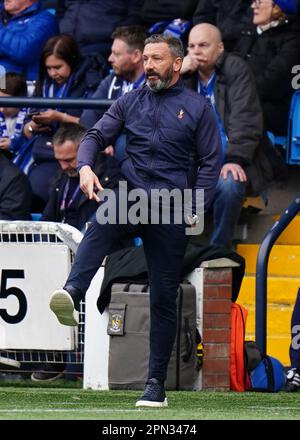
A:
[266,373]
[128,327]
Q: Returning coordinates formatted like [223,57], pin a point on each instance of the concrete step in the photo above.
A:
[280,290]
[284,259]
[291,235]
[278,330]
[281,297]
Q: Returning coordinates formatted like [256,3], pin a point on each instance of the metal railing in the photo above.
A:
[262,268]
[24,360]
[85,103]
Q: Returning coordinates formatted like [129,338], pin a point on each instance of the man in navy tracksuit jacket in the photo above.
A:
[170,130]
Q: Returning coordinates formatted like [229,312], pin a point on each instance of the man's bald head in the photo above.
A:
[205,45]
[208,30]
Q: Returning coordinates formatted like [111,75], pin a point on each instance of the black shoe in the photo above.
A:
[48,373]
[154,395]
[65,303]
[292,384]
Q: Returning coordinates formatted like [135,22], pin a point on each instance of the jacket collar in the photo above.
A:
[173,90]
[220,61]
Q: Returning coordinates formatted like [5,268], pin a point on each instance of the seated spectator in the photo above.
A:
[232,17]
[92,22]
[226,81]
[15,191]
[67,203]
[24,29]
[126,59]
[64,73]
[12,121]
[271,50]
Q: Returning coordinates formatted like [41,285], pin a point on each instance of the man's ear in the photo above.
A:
[137,56]
[220,47]
[177,64]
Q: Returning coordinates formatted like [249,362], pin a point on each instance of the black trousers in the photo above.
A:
[164,246]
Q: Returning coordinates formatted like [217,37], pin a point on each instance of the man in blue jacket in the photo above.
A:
[170,132]
[126,59]
[24,29]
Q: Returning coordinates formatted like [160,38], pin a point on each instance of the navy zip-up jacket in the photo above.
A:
[173,140]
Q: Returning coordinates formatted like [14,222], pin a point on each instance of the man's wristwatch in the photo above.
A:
[193,219]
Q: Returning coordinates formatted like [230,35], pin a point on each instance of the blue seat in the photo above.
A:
[36,216]
[277,140]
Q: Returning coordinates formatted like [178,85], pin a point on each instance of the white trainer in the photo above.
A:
[62,305]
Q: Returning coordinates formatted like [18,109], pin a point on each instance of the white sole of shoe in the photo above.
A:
[150,404]
[62,306]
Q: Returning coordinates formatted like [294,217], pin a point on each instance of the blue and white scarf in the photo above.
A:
[52,90]
[18,128]
[208,92]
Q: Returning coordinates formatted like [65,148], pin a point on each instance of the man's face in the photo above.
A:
[66,154]
[205,48]
[122,59]
[161,68]
[14,7]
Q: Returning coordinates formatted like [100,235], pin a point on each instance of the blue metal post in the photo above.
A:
[261,271]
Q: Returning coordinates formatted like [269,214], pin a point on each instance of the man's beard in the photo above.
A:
[162,82]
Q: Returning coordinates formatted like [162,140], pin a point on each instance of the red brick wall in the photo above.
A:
[216,328]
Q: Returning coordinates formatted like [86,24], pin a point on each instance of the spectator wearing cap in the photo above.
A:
[271,50]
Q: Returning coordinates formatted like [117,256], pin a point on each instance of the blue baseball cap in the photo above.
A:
[287,6]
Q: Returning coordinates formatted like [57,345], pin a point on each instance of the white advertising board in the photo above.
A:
[29,273]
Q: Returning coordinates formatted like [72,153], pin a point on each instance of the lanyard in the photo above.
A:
[64,205]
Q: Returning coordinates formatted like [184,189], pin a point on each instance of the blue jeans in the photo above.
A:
[227,206]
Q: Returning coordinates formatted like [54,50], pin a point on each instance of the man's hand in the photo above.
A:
[31,127]
[47,117]
[4,143]
[89,182]
[189,65]
[109,151]
[236,170]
